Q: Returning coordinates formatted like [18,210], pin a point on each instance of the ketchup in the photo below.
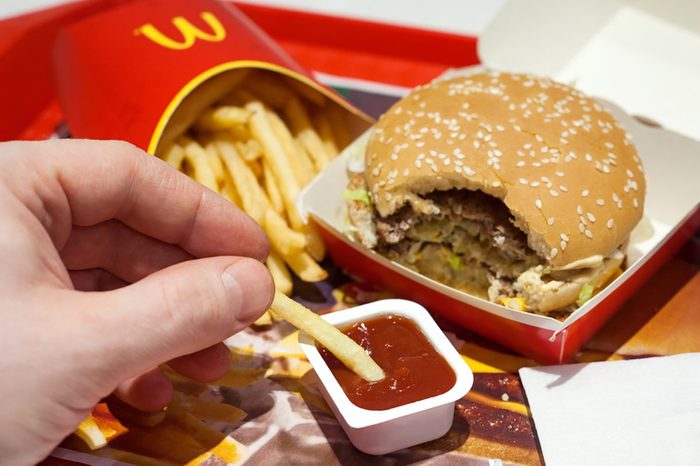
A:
[414,369]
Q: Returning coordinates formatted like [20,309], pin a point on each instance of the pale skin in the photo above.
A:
[112,264]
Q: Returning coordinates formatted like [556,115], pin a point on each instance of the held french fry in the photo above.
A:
[343,347]
[280,165]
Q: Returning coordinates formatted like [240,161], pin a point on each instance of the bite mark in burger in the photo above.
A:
[510,187]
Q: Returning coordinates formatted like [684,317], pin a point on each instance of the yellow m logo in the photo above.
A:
[189,32]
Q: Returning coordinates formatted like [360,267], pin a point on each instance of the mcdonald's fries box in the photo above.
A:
[671,216]
[144,70]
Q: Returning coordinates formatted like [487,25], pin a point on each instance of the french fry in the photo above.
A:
[222,117]
[272,189]
[197,157]
[174,155]
[250,150]
[252,195]
[228,190]
[314,244]
[302,166]
[339,126]
[280,165]
[305,133]
[323,127]
[267,88]
[305,267]
[215,162]
[264,320]
[343,347]
[280,273]
[282,238]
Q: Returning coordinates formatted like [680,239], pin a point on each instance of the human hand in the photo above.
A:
[112,263]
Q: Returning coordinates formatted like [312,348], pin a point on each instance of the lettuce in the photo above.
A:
[357,195]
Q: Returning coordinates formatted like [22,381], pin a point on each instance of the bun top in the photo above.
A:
[562,165]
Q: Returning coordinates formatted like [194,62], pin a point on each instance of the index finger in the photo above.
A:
[103,180]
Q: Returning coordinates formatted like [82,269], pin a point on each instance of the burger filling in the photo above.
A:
[470,243]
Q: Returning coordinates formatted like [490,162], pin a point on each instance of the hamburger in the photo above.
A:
[510,187]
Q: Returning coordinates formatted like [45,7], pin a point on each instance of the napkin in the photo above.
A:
[641,411]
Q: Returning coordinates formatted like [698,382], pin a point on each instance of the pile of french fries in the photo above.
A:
[258,147]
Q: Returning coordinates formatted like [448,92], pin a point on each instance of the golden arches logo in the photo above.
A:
[190,33]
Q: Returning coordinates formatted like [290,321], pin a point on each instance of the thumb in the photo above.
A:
[177,311]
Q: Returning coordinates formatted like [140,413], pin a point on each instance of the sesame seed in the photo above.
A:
[610,223]
[590,216]
[635,203]
[563,188]
[550,221]
[579,210]
[600,202]
[564,237]
[588,234]
[553,192]
[469,171]
[563,245]
[535,184]
[418,164]
[553,252]
[496,184]
[538,203]
[476,144]
[523,181]
[585,193]
[581,227]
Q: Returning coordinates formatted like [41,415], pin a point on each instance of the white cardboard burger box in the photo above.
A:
[672,207]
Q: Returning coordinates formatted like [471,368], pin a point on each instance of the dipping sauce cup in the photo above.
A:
[416,403]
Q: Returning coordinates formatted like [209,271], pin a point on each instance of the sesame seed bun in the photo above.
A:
[560,163]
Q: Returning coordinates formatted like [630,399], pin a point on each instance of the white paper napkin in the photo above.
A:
[641,412]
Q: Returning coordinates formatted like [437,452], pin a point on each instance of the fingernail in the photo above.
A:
[250,287]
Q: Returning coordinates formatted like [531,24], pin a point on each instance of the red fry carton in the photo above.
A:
[143,71]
